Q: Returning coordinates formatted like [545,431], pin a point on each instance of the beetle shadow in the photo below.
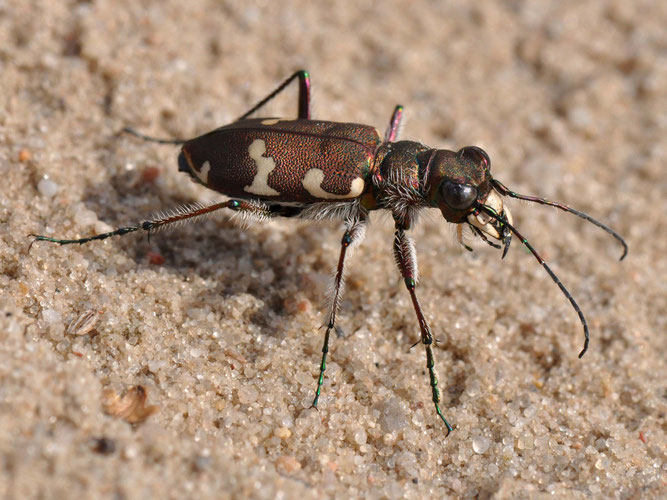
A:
[216,248]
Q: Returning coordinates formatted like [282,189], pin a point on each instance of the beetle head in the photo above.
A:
[461,185]
[458,182]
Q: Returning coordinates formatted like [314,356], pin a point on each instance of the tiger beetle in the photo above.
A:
[311,169]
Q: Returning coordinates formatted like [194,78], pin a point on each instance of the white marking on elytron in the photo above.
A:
[312,183]
[265,164]
[202,173]
[270,121]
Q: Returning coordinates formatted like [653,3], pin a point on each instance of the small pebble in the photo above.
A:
[287,464]
[282,433]
[47,187]
[52,316]
[84,217]
[24,155]
[360,436]
[247,394]
[480,444]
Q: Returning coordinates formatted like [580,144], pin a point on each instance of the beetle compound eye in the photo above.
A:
[458,196]
[476,155]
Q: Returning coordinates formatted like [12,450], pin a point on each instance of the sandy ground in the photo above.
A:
[220,324]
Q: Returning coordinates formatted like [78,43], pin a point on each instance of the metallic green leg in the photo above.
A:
[434,386]
[323,365]
[352,237]
[407,264]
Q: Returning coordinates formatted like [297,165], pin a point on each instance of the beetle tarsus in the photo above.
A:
[148,138]
[80,241]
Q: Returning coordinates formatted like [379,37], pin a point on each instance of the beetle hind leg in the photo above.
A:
[354,235]
[248,209]
[179,215]
[304,96]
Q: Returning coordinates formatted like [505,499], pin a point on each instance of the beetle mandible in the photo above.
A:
[311,169]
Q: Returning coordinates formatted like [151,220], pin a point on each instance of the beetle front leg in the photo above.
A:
[304,95]
[354,235]
[394,124]
[406,259]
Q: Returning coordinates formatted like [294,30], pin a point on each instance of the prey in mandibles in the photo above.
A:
[312,169]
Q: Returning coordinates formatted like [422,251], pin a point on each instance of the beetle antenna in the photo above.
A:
[131,131]
[491,212]
[504,190]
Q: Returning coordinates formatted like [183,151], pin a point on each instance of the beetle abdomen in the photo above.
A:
[286,160]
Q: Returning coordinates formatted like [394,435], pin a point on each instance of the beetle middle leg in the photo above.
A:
[394,124]
[354,235]
[406,259]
